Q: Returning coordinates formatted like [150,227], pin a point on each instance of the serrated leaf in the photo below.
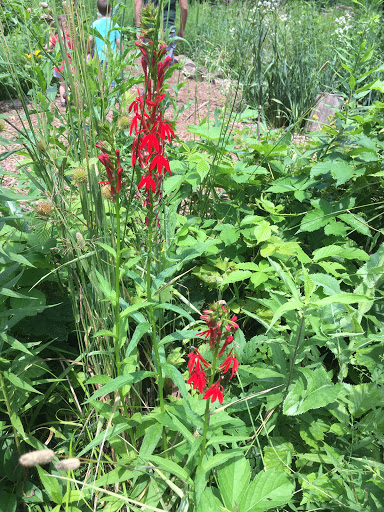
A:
[312,390]
[268,490]
[285,308]
[342,298]
[221,458]
[233,481]
[314,220]
[356,222]
[327,252]
[263,231]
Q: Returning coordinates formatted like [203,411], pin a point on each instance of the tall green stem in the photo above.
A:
[153,319]
[206,414]
[9,410]
[117,284]
[299,335]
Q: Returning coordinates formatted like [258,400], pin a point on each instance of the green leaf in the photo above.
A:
[119,474]
[263,231]
[236,276]
[177,378]
[176,309]
[171,467]
[356,222]
[233,481]
[106,435]
[313,389]
[105,288]
[8,502]
[342,298]
[327,252]
[20,383]
[314,220]
[179,335]
[268,490]
[221,458]
[140,330]
[229,234]
[119,382]
[51,485]
[285,308]
[135,307]
[151,439]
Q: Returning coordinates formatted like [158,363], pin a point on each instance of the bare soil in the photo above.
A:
[204,96]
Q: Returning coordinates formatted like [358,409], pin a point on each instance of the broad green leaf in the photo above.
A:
[151,439]
[179,335]
[177,378]
[329,284]
[327,252]
[285,308]
[119,474]
[278,454]
[107,248]
[356,222]
[313,390]
[263,231]
[8,502]
[229,234]
[119,382]
[221,458]
[342,298]
[135,307]
[176,309]
[173,183]
[233,481]
[50,485]
[236,276]
[171,467]
[313,220]
[268,490]
[208,502]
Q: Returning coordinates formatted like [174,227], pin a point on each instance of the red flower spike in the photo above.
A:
[147,182]
[216,391]
[228,361]
[198,379]
[160,162]
[195,358]
[227,342]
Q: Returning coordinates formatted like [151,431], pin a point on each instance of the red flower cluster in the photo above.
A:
[148,123]
[218,329]
[113,167]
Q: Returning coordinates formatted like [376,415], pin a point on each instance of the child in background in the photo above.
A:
[107,30]
[62,21]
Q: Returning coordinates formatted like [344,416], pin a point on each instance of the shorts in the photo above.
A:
[56,74]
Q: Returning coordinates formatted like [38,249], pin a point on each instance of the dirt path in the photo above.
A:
[205,97]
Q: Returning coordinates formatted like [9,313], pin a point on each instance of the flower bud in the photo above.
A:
[124,123]
[38,457]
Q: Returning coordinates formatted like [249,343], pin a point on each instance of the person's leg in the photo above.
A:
[171,46]
[62,92]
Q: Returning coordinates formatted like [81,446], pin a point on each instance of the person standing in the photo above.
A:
[169,15]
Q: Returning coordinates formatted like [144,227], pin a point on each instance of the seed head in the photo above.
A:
[2,127]
[41,146]
[106,192]
[38,457]
[80,176]
[124,123]
[80,240]
[68,464]
[44,208]
[52,108]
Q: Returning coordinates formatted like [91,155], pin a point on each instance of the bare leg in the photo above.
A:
[62,90]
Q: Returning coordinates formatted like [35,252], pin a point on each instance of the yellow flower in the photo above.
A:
[38,54]
[28,55]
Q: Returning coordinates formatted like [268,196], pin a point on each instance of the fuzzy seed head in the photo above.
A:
[124,123]
[36,458]
[44,208]
[52,108]
[80,240]
[68,464]
[106,192]
[2,127]
[41,146]
[80,176]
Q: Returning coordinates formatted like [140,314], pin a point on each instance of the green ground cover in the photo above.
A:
[210,336]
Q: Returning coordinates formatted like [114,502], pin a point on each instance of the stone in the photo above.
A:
[323,111]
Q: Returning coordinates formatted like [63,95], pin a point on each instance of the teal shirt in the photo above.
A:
[104,26]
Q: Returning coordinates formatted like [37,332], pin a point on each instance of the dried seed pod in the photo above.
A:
[106,191]
[44,5]
[35,458]
[44,208]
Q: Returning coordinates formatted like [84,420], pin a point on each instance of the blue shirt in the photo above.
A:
[108,31]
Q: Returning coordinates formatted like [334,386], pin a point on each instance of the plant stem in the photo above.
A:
[117,284]
[9,410]
[153,319]
[206,414]
[299,334]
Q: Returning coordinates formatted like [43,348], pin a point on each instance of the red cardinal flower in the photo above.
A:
[198,379]
[227,342]
[195,358]
[112,166]
[228,361]
[232,326]
[216,391]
